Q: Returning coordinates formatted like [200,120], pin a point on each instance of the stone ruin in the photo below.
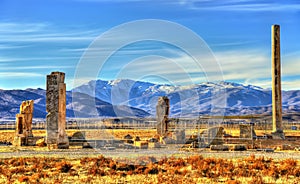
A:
[162,113]
[247,132]
[56,108]
[179,136]
[213,135]
[23,124]
[277,132]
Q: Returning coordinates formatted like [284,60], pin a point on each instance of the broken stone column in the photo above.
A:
[162,113]
[56,108]
[276,85]
[24,124]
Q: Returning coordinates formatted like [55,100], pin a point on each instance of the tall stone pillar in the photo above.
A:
[56,108]
[276,85]
[162,113]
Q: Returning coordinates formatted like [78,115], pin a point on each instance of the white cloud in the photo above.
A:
[244,65]
[41,32]
[19,74]
[240,5]
[249,66]
[33,67]
[8,46]
[14,59]
[291,85]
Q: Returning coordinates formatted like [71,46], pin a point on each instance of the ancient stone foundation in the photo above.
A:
[213,135]
[24,124]
[179,136]
[56,108]
[162,113]
[247,132]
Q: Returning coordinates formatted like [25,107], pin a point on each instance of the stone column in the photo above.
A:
[162,113]
[24,124]
[56,108]
[276,84]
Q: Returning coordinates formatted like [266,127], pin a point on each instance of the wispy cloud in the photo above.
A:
[33,67]
[46,58]
[232,43]
[291,84]
[19,74]
[245,66]
[9,46]
[241,5]
[13,27]
[39,32]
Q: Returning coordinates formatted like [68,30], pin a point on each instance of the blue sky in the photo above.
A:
[37,37]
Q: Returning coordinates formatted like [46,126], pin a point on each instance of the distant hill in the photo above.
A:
[10,101]
[193,100]
[136,98]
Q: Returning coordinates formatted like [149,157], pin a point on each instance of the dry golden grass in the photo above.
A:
[193,169]
[8,135]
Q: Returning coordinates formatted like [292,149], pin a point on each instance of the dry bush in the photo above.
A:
[193,169]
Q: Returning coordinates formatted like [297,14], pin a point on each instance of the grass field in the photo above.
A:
[192,169]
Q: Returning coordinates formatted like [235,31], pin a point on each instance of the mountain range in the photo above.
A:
[10,101]
[136,98]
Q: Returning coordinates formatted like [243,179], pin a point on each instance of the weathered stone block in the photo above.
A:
[179,136]
[141,144]
[41,142]
[153,144]
[247,132]
[56,108]
[214,135]
[219,147]
[162,113]
[24,123]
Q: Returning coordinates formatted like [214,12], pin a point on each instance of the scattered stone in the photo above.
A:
[5,143]
[237,147]
[219,147]
[52,146]
[153,144]
[128,146]
[270,150]
[137,138]
[153,140]
[86,145]
[179,136]
[78,136]
[167,140]
[247,132]
[286,147]
[128,136]
[109,147]
[213,135]
[41,142]
[141,144]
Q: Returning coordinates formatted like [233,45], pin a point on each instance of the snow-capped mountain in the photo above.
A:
[136,98]
[193,100]
[83,107]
